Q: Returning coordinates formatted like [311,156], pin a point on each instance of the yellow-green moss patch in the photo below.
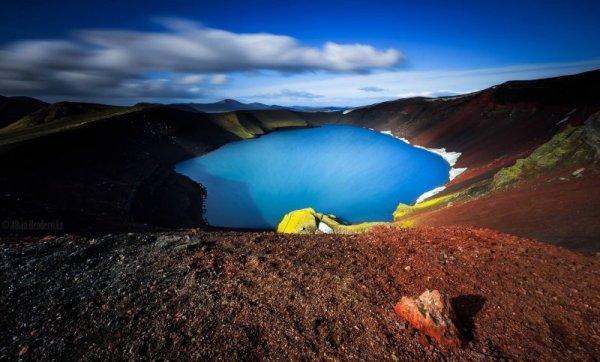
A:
[570,147]
[306,221]
[231,123]
[404,210]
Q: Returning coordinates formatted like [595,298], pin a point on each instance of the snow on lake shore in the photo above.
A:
[449,156]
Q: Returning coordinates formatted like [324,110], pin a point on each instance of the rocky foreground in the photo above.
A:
[232,295]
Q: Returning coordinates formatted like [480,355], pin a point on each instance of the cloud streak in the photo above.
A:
[371,89]
[187,56]
[341,90]
[287,94]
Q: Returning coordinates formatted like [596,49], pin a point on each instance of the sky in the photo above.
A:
[334,53]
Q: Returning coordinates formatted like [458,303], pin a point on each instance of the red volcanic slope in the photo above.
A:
[557,208]
[491,128]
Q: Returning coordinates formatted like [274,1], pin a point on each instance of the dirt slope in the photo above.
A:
[249,296]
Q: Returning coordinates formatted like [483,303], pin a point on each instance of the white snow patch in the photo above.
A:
[389,133]
[430,193]
[449,156]
[353,109]
[449,98]
[456,171]
[325,228]
[566,117]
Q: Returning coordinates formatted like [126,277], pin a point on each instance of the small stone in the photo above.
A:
[23,351]
[407,268]
[431,313]
[252,262]
[478,355]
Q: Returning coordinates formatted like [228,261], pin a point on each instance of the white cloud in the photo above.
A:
[218,79]
[190,62]
[107,62]
[341,90]
[191,79]
[287,94]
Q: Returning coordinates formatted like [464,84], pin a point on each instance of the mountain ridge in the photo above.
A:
[231,105]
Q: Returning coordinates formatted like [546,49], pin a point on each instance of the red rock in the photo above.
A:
[430,313]
[23,351]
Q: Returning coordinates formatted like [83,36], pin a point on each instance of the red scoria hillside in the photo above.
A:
[494,128]
[263,296]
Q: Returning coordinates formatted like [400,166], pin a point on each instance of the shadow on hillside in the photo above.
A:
[231,203]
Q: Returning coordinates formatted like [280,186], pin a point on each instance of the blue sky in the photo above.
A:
[287,52]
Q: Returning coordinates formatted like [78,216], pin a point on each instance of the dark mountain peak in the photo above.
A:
[257,104]
[230,102]
[225,105]
[16,107]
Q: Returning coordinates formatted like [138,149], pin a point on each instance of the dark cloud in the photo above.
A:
[190,58]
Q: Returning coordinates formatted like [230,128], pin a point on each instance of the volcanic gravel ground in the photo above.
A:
[262,296]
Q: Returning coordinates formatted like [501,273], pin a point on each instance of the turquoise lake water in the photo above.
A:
[352,172]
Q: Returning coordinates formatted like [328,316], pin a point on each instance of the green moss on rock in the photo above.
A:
[571,147]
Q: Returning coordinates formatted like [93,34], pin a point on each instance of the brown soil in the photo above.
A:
[263,296]
[554,207]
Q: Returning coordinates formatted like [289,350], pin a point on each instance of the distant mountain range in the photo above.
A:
[230,105]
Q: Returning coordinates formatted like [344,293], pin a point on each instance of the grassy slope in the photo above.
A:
[14,108]
[29,127]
